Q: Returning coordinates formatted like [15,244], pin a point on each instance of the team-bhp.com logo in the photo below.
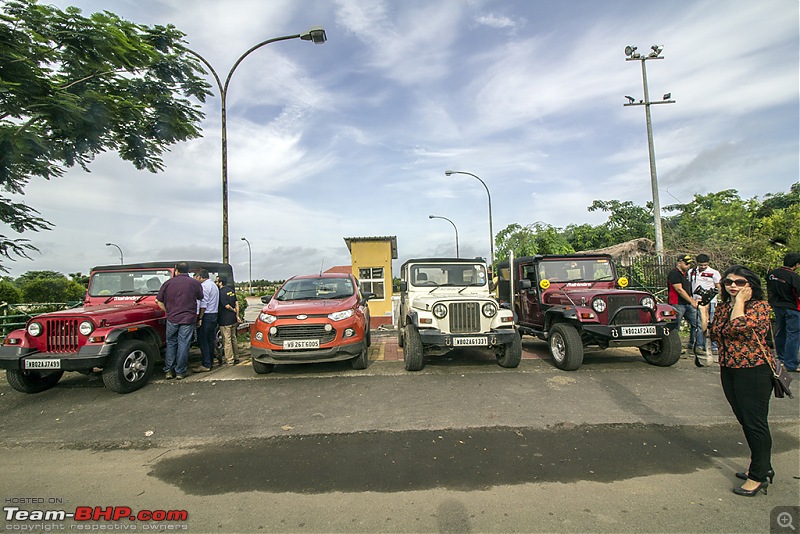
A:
[94,513]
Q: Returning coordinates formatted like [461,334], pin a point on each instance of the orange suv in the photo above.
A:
[312,318]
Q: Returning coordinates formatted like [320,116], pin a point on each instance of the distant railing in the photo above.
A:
[647,274]
[13,316]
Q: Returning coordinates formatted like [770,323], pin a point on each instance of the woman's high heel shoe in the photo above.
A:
[770,475]
[751,493]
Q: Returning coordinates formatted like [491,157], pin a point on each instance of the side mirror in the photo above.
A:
[403,285]
[492,285]
[266,298]
[365,296]
[525,284]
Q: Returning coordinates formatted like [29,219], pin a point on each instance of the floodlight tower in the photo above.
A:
[633,55]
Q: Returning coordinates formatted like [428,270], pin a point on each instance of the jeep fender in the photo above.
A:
[142,332]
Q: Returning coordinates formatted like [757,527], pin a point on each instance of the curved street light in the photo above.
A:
[315,35]
[250,263]
[491,230]
[454,228]
[120,251]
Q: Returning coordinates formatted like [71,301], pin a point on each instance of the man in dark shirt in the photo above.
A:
[178,298]
[228,317]
[783,288]
[680,291]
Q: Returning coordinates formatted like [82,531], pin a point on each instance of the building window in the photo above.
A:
[372,281]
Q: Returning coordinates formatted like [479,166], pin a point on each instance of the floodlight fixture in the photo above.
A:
[629,50]
[667,96]
[630,99]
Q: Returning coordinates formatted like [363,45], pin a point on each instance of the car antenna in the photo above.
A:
[320,266]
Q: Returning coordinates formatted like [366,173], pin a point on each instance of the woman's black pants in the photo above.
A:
[748,390]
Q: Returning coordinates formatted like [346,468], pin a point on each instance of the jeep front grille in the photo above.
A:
[61,335]
[304,331]
[616,302]
[465,317]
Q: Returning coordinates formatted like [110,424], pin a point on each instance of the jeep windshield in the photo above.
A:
[138,282]
[315,289]
[589,270]
[439,275]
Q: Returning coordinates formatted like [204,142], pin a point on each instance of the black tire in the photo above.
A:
[566,346]
[368,337]
[219,345]
[32,381]
[413,354]
[129,366]
[262,368]
[669,351]
[400,334]
[511,354]
[361,361]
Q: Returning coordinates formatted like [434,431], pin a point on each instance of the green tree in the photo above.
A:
[9,292]
[72,87]
[626,220]
[51,289]
[536,238]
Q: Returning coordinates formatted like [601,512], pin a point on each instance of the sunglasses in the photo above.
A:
[737,283]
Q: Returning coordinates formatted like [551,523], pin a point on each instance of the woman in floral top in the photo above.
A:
[740,326]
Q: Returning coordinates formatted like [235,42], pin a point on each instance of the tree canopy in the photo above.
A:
[730,229]
[72,87]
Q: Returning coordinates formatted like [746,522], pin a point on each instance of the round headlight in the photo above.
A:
[599,305]
[86,328]
[439,311]
[489,309]
[35,329]
[267,318]
[648,302]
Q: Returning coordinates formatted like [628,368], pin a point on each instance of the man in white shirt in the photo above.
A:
[703,276]
[207,321]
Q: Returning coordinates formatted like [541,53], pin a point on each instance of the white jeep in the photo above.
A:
[445,304]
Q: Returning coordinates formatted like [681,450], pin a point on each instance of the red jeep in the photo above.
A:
[576,300]
[120,329]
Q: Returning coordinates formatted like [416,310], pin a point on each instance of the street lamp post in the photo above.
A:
[120,251]
[491,229]
[454,228]
[249,263]
[633,55]
[315,35]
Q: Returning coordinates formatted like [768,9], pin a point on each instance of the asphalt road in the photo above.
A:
[463,446]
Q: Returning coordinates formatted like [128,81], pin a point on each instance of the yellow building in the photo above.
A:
[371,259]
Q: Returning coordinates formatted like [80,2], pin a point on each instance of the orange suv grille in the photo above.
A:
[306,331]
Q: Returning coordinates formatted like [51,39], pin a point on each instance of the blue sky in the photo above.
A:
[352,138]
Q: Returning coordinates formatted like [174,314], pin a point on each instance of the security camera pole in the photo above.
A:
[633,55]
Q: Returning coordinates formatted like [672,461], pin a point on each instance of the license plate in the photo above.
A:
[43,364]
[470,341]
[301,344]
[638,330]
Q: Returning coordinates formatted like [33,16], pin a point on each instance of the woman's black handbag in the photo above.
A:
[780,379]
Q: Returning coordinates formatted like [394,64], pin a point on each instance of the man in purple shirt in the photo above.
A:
[178,297]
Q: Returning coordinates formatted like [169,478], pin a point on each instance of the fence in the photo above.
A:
[647,274]
[13,316]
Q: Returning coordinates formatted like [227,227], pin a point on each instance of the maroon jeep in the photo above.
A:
[120,330]
[576,300]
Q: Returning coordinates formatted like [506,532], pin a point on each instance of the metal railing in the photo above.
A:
[14,316]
